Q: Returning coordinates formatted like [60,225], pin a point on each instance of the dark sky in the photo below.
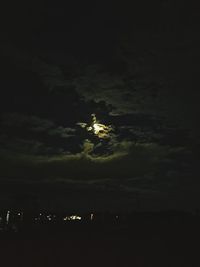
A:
[130,71]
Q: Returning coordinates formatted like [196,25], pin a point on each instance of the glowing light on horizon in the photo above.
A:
[72,218]
[7,216]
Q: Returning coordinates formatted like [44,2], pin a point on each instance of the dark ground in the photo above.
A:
[165,243]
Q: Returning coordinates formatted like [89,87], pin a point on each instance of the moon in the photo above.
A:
[98,129]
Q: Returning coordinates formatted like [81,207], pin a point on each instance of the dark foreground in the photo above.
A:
[168,243]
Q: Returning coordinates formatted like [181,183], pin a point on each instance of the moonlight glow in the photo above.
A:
[98,129]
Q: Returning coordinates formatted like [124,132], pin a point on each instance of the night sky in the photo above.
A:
[99,106]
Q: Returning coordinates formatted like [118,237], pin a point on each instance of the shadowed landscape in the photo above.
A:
[137,239]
